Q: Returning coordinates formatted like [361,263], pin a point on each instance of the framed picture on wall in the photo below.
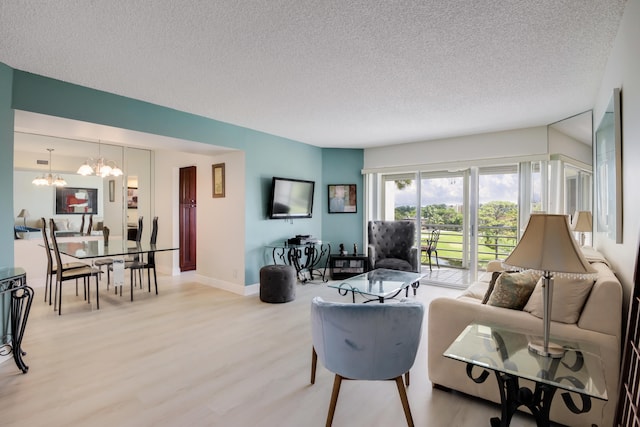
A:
[132,198]
[217,172]
[112,190]
[74,200]
[342,198]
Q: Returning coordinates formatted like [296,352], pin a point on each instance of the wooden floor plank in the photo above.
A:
[197,356]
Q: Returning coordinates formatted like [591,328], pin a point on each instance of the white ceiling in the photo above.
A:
[331,73]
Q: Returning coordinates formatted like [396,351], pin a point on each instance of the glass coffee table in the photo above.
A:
[378,284]
[505,352]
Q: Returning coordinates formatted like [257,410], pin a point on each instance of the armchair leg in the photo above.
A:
[314,364]
[334,399]
[405,401]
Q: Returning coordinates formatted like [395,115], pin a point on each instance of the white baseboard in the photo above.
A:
[228,286]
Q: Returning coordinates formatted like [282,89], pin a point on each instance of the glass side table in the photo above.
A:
[505,353]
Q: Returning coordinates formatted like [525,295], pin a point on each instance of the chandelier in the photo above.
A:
[49,179]
[99,166]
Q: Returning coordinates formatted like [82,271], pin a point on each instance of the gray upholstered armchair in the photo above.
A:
[371,342]
[391,245]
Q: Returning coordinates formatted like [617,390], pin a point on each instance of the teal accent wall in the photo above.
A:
[6,184]
[265,156]
[6,167]
[343,166]
[277,157]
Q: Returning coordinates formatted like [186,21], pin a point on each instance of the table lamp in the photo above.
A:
[24,214]
[583,224]
[548,246]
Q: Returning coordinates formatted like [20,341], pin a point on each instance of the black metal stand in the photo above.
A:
[13,282]
[305,258]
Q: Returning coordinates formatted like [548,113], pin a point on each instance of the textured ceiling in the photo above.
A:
[331,73]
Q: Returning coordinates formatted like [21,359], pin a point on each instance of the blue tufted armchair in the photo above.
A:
[392,245]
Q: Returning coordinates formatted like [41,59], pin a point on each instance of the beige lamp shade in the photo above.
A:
[583,222]
[23,214]
[548,245]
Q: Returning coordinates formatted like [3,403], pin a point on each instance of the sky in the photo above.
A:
[503,187]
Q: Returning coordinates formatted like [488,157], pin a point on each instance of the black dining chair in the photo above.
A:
[151,260]
[52,268]
[109,261]
[129,261]
[63,275]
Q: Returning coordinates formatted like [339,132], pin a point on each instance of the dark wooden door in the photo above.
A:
[188,218]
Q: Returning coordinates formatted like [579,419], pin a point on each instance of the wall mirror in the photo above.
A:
[31,160]
[608,170]
[573,137]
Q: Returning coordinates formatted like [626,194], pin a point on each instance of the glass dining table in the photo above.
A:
[87,249]
[114,248]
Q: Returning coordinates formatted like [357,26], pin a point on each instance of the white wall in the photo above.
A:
[623,71]
[463,150]
[562,143]
[220,221]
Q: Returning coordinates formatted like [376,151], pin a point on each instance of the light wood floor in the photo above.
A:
[197,356]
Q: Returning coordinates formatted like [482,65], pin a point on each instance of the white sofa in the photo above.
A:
[599,322]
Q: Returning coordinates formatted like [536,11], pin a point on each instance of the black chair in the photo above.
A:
[151,260]
[52,269]
[131,260]
[89,226]
[109,261]
[432,247]
[63,275]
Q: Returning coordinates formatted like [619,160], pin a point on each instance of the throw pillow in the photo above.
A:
[492,284]
[61,224]
[569,296]
[512,290]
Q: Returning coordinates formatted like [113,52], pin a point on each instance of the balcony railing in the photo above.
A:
[493,243]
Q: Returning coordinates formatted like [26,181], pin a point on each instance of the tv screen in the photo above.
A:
[291,198]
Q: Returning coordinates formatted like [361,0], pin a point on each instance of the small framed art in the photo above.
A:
[217,172]
[342,198]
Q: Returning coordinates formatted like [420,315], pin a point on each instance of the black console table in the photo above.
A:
[306,258]
[13,283]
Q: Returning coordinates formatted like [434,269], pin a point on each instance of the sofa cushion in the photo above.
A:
[569,296]
[394,264]
[512,290]
[61,224]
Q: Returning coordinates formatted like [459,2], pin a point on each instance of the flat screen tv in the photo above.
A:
[291,198]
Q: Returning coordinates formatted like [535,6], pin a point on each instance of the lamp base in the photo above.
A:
[554,351]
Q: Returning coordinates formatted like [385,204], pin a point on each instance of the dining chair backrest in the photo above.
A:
[151,258]
[47,248]
[139,231]
[90,226]
[82,224]
[55,250]
[154,231]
